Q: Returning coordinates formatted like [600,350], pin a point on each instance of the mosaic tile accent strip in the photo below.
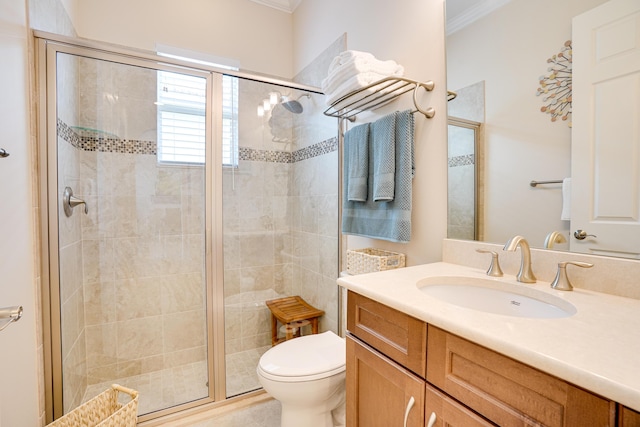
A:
[91,140]
[112,145]
[318,149]
[272,156]
[68,134]
[466,160]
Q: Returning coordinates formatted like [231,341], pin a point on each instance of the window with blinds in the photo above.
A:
[182,120]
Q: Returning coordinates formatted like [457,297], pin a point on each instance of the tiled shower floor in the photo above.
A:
[170,387]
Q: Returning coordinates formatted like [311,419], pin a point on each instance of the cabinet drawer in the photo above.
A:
[381,393]
[448,412]
[508,392]
[397,335]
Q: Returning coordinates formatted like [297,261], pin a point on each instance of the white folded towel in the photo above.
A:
[352,70]
[356,82]
[566,200]
[348,55]
[357,65]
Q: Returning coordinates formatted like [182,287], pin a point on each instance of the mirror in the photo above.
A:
[496,54]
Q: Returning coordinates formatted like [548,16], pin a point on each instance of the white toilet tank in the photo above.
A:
[305,358]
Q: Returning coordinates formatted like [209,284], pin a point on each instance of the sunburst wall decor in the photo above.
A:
[555,87]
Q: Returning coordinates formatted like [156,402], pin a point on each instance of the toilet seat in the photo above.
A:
[307,358]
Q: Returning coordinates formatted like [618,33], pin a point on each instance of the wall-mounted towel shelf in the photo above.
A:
[377,94]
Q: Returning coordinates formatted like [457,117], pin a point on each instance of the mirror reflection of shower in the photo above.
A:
[279,109]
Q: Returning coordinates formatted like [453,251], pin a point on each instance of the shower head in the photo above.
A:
[293,105]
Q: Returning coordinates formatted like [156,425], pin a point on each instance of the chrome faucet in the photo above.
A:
[525,275]
[553,238]
[562,282]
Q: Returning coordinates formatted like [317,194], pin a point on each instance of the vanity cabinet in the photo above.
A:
[386,365]
[393,357]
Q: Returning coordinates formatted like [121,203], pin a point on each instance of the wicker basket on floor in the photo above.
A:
[104,410]
[369,260]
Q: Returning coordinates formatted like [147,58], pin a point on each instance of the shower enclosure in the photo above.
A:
[173,208]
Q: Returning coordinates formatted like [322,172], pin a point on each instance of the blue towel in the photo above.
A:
[383,141]
[392,220]
[356,143]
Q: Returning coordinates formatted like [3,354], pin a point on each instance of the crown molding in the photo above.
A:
[283,5]
[472,14]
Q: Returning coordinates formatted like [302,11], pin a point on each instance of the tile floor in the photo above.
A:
[162,389]
[170,387]
[241,371]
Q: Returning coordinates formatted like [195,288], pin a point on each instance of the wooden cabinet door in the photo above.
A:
[380,393]
[628,417]
[446,412]
[508,392]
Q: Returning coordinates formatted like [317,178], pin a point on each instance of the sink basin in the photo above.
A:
[493,296]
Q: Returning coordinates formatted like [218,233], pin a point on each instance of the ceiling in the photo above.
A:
[460,13]
[284,5]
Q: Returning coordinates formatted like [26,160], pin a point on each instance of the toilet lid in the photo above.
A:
[305,356]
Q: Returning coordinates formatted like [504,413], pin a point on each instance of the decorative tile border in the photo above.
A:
[271,156]
[324,147]
[275,156]
[67,134]
[90,140]
[466,160]
[112,145]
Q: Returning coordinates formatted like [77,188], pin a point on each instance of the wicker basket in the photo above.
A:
[369,260]
[104,410]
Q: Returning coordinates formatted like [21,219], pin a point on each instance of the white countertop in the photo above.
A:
[598,348]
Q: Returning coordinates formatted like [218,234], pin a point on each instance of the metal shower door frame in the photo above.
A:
[47,49]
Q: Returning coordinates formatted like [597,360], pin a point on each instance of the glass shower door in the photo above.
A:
[131,188]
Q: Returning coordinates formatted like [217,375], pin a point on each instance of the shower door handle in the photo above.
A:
[8,315]
[69,201]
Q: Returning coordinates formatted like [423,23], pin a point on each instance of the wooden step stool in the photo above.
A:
[289,311]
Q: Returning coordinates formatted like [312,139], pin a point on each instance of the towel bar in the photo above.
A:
[536,183]
[377,94]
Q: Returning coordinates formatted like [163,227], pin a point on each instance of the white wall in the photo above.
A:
[508,50]
[19,370]
[410,32]
[258,36]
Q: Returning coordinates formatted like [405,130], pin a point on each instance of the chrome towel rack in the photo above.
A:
[377,94]
[8,315]
[536,183]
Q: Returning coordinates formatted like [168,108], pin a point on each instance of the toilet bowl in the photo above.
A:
[307,376]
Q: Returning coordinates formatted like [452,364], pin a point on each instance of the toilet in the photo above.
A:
[307,376]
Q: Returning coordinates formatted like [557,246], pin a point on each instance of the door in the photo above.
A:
[127,196]
[18,353]
[381,393]
[605,161]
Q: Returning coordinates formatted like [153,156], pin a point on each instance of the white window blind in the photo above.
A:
[182,120]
